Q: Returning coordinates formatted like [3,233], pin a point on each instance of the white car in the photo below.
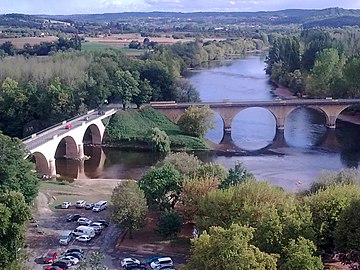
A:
[128,261]
[161,262]
[72,259]
[84,221]
[80,204]
[83,238]
[65,205]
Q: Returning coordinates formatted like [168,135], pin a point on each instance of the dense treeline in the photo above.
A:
[317,63]
[260,226]
[42,49]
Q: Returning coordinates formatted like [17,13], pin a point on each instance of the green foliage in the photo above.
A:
[347,230]
[299,255]
[228,249]
[162,186]
[16,173]
[197,121]
[212,170]
[186,164]
[134,126]
[128,206]
[326,206]
[126,87]
[95,261]
[275,214]
[169,224]
[236,176]
[159,140]
[14,212]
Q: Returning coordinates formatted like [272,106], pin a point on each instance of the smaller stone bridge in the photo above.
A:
[280,109]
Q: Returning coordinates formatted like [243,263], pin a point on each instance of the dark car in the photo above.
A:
[62,264]
[101,113]
[53,268]
[73,217]
[103,222]
[79,250]
[135,266]
[77,255]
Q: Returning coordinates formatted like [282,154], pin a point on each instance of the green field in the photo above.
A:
[132,126]
[90,46]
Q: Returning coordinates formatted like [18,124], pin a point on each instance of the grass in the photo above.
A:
[91,46]
[132,126]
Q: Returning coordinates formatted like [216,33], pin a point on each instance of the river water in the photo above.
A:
[292,159]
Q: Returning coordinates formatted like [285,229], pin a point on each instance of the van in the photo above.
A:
[99,206]
[65,238]
[84,230]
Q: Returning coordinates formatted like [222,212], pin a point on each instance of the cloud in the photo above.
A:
[103,6]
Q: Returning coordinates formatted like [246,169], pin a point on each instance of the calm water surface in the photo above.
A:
[300,153]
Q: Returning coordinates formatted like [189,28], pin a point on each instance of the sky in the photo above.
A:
[113,6]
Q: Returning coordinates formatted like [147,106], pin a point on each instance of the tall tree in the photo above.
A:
[128,206]
[127,87]
[197,121]
[16,173]
[228,249]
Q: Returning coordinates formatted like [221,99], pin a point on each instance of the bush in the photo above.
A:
[159,140]
[169,224]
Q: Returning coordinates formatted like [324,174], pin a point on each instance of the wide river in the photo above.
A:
[293,159]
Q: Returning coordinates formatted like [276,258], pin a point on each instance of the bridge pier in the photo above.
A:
[52,168]
[331,121]
[81,154]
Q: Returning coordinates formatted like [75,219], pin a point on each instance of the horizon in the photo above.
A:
[78,7]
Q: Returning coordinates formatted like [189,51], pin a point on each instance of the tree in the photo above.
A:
[159,140]
[212,170]
[126,87]
[228,249]
[193,190]
[326,207]
[94,262]
[145,93]
[128,206]
[299,255]
[162,186]
[236,176]
[187,92]
[352,81]
[197,121]
[169,224]
[14,212]
[16,173]
[186,164]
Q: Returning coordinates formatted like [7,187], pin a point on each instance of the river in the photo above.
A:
[292,159]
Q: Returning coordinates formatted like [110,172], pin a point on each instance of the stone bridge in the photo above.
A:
[66,140]
[280,109]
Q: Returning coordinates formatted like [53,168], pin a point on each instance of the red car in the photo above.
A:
[68,126]
[50,257]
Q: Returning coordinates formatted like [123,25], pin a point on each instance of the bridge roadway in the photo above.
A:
[280,108]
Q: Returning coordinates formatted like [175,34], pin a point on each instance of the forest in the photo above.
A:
[317,63]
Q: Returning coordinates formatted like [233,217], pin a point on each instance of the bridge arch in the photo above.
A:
[93,135]
[41,163]
[67,148]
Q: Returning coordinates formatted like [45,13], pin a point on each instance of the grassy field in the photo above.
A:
[92,46]
[132,126]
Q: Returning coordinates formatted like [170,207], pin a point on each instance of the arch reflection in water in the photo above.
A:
[305,128]
[253,129]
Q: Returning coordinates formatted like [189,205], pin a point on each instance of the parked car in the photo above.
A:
[62,264]
[103,221]
[83,238]
[79,250]
[50,267]
[50,257]
[135,266]
[65,237]
[80,204]
[65,205]
[97,227]
[89,206]
[68,126]
[84,221]
[72,259]
[73,217]
[81,230]
[161,262]
[99,206]
[127,261]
